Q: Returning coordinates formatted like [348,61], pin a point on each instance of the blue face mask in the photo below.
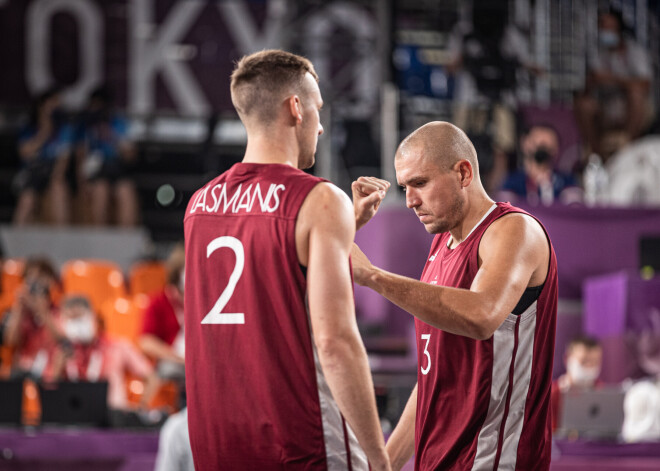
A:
[608,39]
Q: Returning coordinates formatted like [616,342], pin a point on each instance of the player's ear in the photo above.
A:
[295,108]
[465,171]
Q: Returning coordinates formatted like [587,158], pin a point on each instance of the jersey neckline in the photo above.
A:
[450,239]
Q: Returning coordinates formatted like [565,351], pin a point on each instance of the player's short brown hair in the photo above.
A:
[261,80]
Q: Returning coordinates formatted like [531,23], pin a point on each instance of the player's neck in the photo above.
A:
[271,148]
[475,213]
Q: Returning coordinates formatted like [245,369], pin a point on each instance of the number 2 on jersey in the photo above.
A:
[426,337]
[215,315]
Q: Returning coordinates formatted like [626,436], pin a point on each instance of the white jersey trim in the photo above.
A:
[449,241]
[504,345]
[333,428]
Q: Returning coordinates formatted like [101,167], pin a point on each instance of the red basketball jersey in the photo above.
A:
[485,404]
[257,398]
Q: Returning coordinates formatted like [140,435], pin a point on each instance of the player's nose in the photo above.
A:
[412,199]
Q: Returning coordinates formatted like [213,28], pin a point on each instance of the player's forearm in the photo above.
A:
[155,348]
[346,369]
[459,311]
[401,445]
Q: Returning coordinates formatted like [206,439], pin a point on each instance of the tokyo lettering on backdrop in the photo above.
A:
[171,55]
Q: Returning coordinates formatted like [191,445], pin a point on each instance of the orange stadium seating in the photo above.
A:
[12,272]
[147,278]
[122,316]
[99,280]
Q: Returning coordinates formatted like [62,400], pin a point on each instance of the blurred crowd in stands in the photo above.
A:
[522,151]
[91,154]
[87,323]
[539,155]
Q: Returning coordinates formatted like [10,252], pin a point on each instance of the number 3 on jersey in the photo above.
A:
[215,315]
[425,370]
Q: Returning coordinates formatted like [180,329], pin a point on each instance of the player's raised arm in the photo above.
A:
[324,234]
[513,252]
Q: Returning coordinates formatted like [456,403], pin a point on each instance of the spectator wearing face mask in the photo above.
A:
[583,359]
[615,106]
[538,182]
[87,354]
[30,327]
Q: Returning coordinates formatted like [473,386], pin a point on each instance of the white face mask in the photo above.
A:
[80,330]
[608,39]
[581,376]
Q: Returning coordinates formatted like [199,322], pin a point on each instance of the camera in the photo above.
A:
[38,289]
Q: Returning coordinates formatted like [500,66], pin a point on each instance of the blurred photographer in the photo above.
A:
[538,182]
[30,327]
[86,353]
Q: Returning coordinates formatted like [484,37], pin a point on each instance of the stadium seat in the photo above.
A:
[6,360]
[166,397]
[147,278]
[99,280]
[12,277]
[122,316]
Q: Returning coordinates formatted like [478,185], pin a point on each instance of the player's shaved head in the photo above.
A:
[441,142]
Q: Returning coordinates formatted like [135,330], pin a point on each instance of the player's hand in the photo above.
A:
[362,267]
[368,192]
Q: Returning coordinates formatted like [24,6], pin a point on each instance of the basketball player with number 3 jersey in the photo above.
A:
[485,314]
[277,375]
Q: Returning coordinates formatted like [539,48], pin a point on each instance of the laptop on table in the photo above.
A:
[74,403]
[592,413]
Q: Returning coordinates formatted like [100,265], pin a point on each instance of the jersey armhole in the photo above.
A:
[530,291]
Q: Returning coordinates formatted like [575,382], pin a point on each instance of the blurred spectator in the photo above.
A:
[162,336]
[30,327]
[486,57]
[538,181]
[44,146]
[615,106]
[87,354]
[583,359]
[641,412]
[174,452]
[105,153]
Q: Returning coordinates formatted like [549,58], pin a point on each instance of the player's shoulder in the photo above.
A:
[516,227]
[328,197]
[515,237]
[326,204]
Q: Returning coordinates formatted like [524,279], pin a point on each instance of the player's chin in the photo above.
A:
[435,227]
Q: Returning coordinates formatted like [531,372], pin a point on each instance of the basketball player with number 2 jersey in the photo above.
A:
[276,373]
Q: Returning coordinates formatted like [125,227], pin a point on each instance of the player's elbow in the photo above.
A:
[335,350]
[482,326]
